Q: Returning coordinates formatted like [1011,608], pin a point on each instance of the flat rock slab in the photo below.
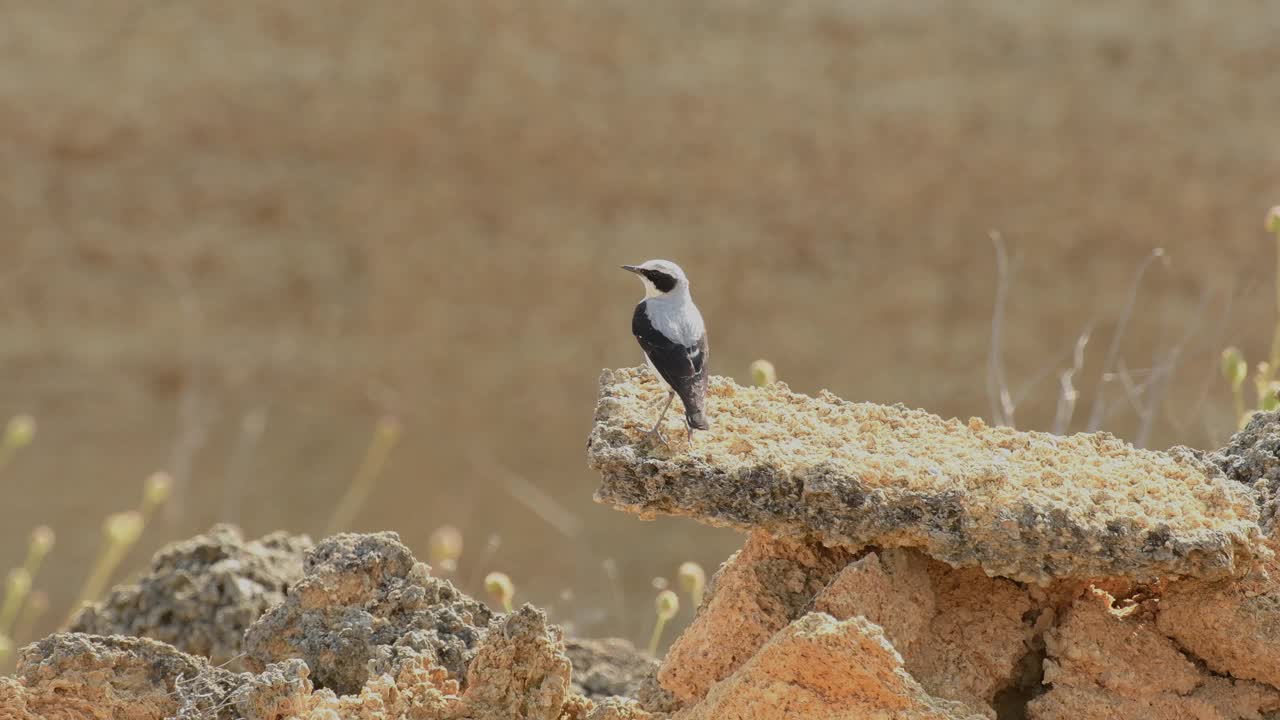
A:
[1023,505]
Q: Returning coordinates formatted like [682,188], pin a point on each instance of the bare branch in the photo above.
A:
[1099,409]
[1068,394]
[1002,405]
[1164,372]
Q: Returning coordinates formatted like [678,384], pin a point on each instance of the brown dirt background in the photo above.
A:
[310,214]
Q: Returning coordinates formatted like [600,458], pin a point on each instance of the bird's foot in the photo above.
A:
[656,437]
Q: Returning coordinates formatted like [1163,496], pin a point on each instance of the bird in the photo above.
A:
[673,337]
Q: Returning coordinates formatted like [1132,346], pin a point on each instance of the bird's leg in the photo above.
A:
[657,427]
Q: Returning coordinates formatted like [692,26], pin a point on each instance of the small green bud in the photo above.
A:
[42,539]
[18,583]
[762,373]
[156,489]
[499,587]
[1234,367]
[667,604]
[1273,220]
[444,548]
[1270,400]
[123,528]
[693,580]
[20,431]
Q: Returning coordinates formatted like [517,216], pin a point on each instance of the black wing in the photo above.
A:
[683,367]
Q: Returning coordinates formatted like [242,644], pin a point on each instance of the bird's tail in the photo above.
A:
[697,420]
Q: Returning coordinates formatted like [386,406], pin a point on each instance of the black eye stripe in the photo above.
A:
[661,280]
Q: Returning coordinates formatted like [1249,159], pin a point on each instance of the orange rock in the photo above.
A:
[756,593]
[819,667]
[1233,627]
[975,639]
[1105,663]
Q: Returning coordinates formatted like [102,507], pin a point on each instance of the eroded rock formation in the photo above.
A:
[897,567]
[979,571]
[1027,506]
[365,605]
[201,594]
[365,634]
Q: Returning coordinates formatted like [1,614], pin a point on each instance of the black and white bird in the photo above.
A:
[669,329]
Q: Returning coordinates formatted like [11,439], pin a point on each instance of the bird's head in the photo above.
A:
[660,277]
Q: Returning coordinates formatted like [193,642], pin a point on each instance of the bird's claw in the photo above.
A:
[655,436]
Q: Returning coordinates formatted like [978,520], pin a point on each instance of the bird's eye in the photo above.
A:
[661,280]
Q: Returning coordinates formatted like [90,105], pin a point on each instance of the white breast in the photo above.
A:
[676,318]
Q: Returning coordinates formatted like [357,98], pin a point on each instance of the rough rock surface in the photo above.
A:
[1252,457]
[960,633]
[818,667]
[70,676]
[618,709]
[1023,505]
[755,594]
[365,598]
[891,588]
[975,638]
[520,670]
[610,667]
[1105,663]
[201,594]
[1233,627]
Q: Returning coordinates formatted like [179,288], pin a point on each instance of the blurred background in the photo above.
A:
[235,237]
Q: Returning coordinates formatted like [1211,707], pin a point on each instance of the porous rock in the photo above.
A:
[819,667]
[365,598]
[519,671]
[756,593]
[1252,458]
[617,708]
[608,667]
[1106,662]
[960,633]
[1233,627]
[71,676]
[201,594]
[974,640]
[1027,506]
[891,588]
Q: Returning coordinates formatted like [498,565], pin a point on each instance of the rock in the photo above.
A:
[1233,627]
[818,667]
[419,690]
[1026,506]
[611,667]
[755,594]
[961,634]
[74,675]
[519,671]
[200,595]
[283,690]
[891,588]
[365,598]
[1105,662]
[618,709]
[977,635]
[1252,458]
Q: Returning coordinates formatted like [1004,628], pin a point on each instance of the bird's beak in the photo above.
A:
[631,268]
